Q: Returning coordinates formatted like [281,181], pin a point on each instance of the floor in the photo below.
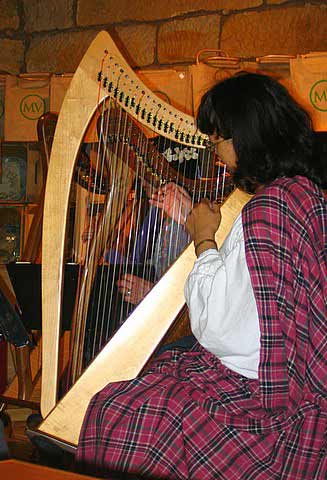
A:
[21,447]
[17,416]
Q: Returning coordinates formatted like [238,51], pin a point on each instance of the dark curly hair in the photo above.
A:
[272,134]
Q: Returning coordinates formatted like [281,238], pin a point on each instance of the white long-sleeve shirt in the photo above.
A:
[222,307]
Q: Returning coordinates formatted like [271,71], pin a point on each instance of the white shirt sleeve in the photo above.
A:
[222,307]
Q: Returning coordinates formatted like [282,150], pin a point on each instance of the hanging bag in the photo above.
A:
[309,81]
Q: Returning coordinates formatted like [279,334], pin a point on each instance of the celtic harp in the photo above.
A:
[139,143]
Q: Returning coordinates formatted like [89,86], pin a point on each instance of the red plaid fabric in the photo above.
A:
[189,417]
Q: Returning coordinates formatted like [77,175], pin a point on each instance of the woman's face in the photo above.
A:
[225,150]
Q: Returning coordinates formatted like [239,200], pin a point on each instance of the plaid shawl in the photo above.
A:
[189,417]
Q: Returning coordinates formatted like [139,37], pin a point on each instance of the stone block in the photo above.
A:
[180,40]
[292,30]
[138,44]
[11,56]
[106,12]
[8,15]
[48,15]
[58,53]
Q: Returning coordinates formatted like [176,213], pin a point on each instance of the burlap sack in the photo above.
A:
[309,81]
[27,98]
[211,66]
[173,86]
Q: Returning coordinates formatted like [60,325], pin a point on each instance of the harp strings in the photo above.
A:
[132,167]
[116,171]
[90,246]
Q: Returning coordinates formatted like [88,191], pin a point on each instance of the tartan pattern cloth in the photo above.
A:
[190,417]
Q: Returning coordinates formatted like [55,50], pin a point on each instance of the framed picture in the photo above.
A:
[13,172]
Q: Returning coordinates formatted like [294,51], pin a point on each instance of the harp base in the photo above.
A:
[38,438]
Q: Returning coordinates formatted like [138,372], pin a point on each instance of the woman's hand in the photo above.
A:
[174,201]
[133,288]
[203,221]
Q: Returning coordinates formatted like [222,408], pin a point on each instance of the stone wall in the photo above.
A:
[52,36]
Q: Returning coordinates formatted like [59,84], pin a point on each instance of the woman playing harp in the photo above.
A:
[248,401]
[141,148]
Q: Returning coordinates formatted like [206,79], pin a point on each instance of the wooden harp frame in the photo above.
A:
[126,354]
